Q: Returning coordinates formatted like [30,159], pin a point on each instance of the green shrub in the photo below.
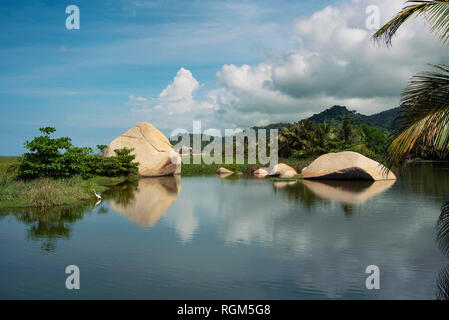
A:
[120,165]
[52,157]
[58,158]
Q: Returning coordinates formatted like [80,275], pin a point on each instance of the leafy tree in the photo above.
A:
[101,147]
[58,158]
[375,139]
[347,130]
[51,157]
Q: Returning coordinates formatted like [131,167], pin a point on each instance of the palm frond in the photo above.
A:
[424,118]
[436,13]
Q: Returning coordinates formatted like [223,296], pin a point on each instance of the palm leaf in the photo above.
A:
[424,118]
[435,12]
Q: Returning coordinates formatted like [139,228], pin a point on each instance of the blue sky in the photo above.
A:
[230,63]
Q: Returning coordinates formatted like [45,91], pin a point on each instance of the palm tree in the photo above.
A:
[424,119]
[435,12]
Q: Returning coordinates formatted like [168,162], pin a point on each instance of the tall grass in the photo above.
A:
[44,192]
[48,192]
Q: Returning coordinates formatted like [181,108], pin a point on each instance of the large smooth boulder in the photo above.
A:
[153,151]
[346,165]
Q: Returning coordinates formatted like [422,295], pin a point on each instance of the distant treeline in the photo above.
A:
[333,130]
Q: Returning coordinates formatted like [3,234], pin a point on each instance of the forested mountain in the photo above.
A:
[336,115]
[333,130]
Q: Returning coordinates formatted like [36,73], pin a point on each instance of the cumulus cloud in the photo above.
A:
[333,61]
[177,97]
[169,109]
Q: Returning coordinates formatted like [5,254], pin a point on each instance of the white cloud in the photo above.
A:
[334,61]
[177,97]
[175,107]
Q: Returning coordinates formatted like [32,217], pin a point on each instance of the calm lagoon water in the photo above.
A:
[210,238]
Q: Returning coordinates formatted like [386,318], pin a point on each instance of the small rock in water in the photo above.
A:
[261,172]
[283,171]
[223,171]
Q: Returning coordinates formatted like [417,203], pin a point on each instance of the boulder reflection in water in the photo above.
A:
[151,199]
[348,192]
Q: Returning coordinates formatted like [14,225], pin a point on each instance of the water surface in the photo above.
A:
[237,238]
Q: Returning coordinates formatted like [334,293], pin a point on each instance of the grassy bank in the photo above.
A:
[46,192]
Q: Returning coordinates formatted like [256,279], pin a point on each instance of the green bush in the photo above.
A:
[120,165]
[58,158]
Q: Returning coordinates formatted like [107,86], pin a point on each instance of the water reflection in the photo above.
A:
[226,175]
[348,192]
[297,192]
[442,229]
[433,179]
[283,184]
[242,238]
[48,225]
[146,202]
[443,284]
[123,194]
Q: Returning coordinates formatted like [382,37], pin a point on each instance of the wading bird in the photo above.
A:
[98,195]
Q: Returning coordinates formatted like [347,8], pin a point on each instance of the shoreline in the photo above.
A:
[49,193]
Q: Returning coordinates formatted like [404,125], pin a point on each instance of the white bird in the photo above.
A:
[97,195]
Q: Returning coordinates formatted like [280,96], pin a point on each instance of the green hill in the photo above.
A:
[337,114]
[384,119]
